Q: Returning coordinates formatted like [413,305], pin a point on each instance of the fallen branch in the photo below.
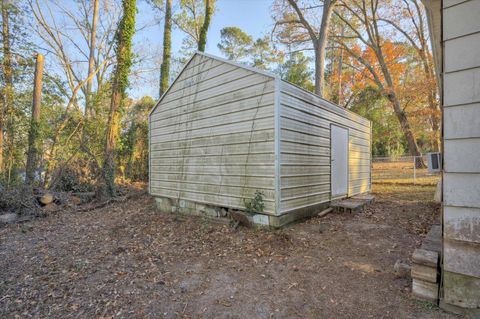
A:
[325,212]
[109,201]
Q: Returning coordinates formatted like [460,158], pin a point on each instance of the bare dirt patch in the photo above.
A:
[128,260]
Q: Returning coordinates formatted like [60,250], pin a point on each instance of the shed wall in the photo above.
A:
[305,121]
[461,190]
[212,136]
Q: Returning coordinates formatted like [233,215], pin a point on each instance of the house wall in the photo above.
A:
[212,136]
[461,189]
[305,121]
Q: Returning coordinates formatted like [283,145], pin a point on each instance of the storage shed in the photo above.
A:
[223,131]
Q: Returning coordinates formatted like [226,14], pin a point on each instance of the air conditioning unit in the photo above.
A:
[434,162]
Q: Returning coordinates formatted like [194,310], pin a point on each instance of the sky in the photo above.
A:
[252,16]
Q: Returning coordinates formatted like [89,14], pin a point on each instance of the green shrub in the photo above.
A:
[256,204]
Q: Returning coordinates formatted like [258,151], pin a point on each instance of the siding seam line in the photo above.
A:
[461,36]
[221,144]
[278,153]
[213,87]
[165,93]
[462,104]
[209,136]
[206,80]
[331,106]
[335,109]
[468,173]
[462,70]
[216,96]
[208,108]
[462,138]
[218,125]
[456,4]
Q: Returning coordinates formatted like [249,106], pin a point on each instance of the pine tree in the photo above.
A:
[167,42]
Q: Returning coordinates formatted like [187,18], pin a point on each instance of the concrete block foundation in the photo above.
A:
[185,207]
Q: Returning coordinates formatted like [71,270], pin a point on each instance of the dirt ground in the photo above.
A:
[128,260]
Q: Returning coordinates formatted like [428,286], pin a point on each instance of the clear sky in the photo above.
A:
[252,16]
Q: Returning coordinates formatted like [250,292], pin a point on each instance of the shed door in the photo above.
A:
[339,161]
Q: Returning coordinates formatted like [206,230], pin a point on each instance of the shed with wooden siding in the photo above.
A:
[223,131]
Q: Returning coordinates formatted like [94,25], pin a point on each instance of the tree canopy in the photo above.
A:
[370,56]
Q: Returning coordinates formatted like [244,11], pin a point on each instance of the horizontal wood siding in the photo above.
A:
[212,136]
[305,149]
[461,179]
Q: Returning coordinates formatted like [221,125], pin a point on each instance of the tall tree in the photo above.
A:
[264,56]
[317,34]
[167,43]
[296,70]
[35,122]
[363,23]
[416,34]
[91,58]
[193,19]
[237,45]
[8,93]
[123,50]
[51,18]
[202,41]
[336,80]
[234,43]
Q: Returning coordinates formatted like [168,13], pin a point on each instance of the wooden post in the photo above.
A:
[35,121]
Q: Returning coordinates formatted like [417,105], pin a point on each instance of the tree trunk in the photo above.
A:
[7,93]
[202,41]
[339,71]
[120,83]
[399,112]
[167,43]
[91,60]
[133,142]
[339,77]
[319,71]
[430,76]
[404,124]
[2,116]
[432,103]
[321,47]
[111,140]
[35,122]
[389,90]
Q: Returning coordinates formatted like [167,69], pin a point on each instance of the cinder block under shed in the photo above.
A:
[224,131]
[426,267]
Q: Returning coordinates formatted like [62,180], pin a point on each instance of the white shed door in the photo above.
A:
[339,159]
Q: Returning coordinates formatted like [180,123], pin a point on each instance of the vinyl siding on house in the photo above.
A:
[461,190]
